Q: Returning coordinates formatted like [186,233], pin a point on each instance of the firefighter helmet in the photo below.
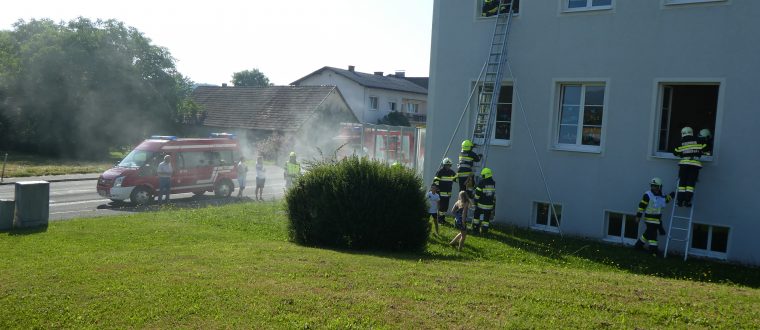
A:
[655,182]
[292,154]
[467,145]
[486,173]
[446,161]
[705,133]
[687,131]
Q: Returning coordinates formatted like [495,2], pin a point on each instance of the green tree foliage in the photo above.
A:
[359,204]
[250,78]
[78,88]
[394,118]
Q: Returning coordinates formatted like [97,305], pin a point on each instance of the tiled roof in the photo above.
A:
[280,108]
[373,80]
[422,81]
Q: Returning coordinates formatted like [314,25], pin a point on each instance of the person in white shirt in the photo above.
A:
[260,178]
[242,170]
[164,171]
[433,198]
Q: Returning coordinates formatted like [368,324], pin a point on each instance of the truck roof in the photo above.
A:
[188,144]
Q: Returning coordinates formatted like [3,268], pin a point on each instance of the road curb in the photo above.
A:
[53,180]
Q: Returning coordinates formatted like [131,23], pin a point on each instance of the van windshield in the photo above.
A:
[137,158]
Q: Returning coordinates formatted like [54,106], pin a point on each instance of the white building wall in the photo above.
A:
[357,96]
[631,48]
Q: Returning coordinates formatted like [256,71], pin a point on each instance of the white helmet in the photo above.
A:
[705,133]
[687,131]
[446,161]
[655,182]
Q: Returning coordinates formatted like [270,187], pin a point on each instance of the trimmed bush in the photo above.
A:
[358,204]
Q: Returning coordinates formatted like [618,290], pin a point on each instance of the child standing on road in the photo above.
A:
[433,198]
[460,219]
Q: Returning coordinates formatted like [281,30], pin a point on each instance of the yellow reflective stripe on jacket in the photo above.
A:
[687,161]
[464,174]
[444,178]
[485,206]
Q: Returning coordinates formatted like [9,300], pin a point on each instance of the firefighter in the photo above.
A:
[444,179]
[490,7]
[485,202]
[650,207]
[467,159]
[705,137]
[690,150]
[292,170]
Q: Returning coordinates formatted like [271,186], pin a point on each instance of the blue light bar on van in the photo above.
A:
[223,136]
[164,137]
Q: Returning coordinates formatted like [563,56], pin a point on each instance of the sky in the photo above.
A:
[286,40]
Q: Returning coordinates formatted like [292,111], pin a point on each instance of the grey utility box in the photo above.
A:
[32,198]
[7,209]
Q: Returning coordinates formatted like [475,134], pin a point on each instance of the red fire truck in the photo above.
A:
[199,164]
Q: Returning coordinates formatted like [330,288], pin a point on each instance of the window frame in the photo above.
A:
[376,103]
[410,105]
[656,116]
[547,227]
[620,239]
[556,120]
[504,142]
[708,253]
[392,106]
[589,7]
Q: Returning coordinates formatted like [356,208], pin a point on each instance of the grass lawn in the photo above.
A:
[23,165]
[233,267]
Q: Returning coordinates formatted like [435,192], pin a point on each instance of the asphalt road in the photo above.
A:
[76,199]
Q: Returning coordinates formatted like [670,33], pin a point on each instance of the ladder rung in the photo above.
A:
[678,240]
[680,217]
[677,228]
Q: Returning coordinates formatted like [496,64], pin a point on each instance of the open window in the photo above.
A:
[693,105]
[487,8]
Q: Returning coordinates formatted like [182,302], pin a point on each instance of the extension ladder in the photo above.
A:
[490,85]
[687,220]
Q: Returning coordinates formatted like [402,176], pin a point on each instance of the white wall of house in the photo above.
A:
[634,49]
[358,96]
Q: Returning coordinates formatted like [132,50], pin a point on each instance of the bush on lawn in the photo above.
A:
[360,204]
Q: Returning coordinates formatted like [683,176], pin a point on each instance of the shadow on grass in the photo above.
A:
[25,231]
[624,258]
[175,204]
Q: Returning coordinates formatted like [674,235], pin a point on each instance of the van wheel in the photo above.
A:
[199,192]
[223,188]
[140,196]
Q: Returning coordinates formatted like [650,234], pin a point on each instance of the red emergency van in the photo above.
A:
[199,165]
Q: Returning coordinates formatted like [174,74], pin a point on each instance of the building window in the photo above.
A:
[681,2]
[682,105]
[582,5]
[373,103]
[709,241]
[622,228]
[545,219]
[392,106]
[581,110]
[485,8]
[412,108]
[503,123]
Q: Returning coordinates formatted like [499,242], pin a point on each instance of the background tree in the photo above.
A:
[76,89]
[250,78]
[394,118]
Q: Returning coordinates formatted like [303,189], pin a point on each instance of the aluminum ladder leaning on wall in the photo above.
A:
[681,220]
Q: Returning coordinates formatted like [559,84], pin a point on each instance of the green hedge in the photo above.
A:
[360,204]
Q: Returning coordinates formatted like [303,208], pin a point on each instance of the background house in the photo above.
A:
[607,86]
[373,96]
[301,117]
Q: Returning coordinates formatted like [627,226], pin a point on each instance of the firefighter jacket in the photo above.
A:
[651,206]
[485,194]
[466,161]
[444,179]
[707,143]
[293,169]
[690,150]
